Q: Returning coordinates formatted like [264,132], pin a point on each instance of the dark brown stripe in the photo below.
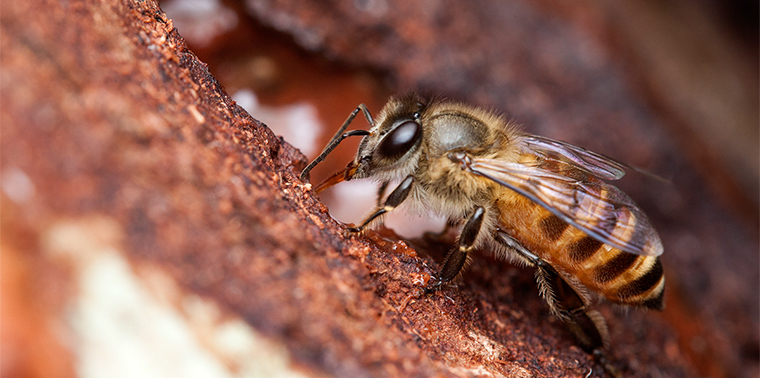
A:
[614,267]
[584,248]
[553,227]
[655,303]
[642,284]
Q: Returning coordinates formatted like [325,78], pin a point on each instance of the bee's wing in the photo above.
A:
[580,158]
[598,209]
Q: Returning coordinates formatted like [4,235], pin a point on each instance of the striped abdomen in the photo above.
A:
[621,277]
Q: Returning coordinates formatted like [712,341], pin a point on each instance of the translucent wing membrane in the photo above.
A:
[598,209]
[580,158]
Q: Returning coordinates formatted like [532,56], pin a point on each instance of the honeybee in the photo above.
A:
[527,198]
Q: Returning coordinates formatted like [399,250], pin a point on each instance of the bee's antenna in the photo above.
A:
[339,137]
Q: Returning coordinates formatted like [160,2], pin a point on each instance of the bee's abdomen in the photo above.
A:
[621,277]
[647,289]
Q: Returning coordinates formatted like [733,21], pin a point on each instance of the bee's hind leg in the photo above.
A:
[568,303]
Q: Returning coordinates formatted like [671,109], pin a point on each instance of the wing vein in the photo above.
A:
[598,209]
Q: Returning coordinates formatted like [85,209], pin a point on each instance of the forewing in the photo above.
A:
[598,209]
[580,158]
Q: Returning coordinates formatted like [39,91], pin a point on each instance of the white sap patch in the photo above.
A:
[352,201]
[17,185]
[408,225]
[297,123]
[125,324]
[200,21]
[375,8]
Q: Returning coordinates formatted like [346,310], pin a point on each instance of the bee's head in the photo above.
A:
[390,150]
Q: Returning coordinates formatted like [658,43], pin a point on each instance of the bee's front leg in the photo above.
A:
[458,256]
[381,193]
[395,199]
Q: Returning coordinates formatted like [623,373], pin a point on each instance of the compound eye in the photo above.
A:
[400,140]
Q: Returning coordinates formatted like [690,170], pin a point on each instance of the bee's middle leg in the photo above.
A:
[458,256]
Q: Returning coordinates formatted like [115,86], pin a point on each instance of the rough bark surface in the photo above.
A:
[563,81]
[106,112]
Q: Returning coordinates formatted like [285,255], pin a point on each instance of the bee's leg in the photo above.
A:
[587,325]
[339,136]
[567,303]
[395,199]
[458,256]
[381,193]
